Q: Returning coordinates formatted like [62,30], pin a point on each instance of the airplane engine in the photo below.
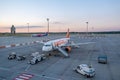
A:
[68,49]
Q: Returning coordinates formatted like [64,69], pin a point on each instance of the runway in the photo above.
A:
[59,67]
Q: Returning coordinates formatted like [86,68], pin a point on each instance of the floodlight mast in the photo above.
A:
[28,27]
[87,28]
[48,24]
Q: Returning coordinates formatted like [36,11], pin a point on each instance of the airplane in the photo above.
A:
[58,44]
[39,35]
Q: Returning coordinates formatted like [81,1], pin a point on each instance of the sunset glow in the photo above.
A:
[101,15]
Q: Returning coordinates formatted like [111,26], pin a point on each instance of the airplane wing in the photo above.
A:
[62,51]
[41,42]
[72,44]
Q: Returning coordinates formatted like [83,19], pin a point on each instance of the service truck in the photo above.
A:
[36,57]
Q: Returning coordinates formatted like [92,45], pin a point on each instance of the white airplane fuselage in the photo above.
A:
[63,42]
[53,44]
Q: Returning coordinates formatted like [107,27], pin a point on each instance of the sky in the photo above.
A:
[101,15]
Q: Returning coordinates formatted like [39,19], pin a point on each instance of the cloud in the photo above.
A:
[4,27]
[57,22]
[21,27]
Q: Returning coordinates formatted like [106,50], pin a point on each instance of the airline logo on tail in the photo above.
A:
[68,34]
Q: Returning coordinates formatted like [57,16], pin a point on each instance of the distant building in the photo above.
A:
[13,30]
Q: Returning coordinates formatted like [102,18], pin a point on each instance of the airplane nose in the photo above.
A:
[43,48]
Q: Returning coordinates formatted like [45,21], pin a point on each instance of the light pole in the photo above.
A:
[28,27]
[87,28]
[48,24]
[92,31]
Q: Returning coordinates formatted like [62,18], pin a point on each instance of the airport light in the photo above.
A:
[28,27]
[92,28]
[87,28]
[48,24]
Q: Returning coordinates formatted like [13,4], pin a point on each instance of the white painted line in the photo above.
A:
[18,79]
[27,75]
[37,41]
[48,77]
[23,43]
[7,46]
[17,44]
[52,78]
[24,77]
[4,68]
[27,67]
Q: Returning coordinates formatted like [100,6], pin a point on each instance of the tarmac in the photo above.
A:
[56,66]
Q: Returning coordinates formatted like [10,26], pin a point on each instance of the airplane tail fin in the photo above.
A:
[68,34]
[46,33]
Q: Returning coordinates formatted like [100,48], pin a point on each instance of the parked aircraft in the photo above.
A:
[39,35]
[58,44]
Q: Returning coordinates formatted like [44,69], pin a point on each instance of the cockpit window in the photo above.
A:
[47,45]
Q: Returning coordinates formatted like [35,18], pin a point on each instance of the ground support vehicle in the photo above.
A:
[20,57]
[86,70]
[12,56]
[102,59]
[36,57]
